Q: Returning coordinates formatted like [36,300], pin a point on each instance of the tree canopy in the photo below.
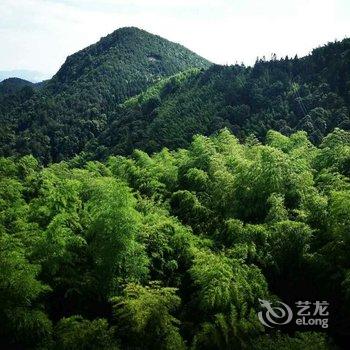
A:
[174,250]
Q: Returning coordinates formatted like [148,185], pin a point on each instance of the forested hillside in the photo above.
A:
[174,251]
[310,93]
[83,108]
[72,108]
[11,86]
[152,200]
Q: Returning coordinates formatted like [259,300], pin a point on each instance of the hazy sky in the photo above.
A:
[39,34]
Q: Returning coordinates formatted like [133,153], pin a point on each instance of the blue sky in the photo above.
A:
[39,34]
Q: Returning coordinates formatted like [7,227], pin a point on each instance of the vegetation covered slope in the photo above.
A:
[174,251]
[70,109]
[12,85]
[122,64]
[310,93]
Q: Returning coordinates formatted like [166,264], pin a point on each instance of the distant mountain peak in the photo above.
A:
[12,85]
[127,52]
[174,97]
[15,80]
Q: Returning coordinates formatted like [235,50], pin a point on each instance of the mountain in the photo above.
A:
[92,105]
[309,93]
[123,64]
[71,109]
[178,249]
[12,85]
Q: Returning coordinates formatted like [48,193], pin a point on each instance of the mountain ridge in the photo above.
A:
[87,105]
[13,85]
[71,108]
[153,50]
[287,95]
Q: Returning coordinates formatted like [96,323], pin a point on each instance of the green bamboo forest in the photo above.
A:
[150,199]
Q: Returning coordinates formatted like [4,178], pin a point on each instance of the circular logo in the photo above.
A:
[274,315]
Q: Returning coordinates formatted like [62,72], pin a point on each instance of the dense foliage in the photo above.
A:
[173,251]
[85,106]
[311,94]
[11,86]
[71,109]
